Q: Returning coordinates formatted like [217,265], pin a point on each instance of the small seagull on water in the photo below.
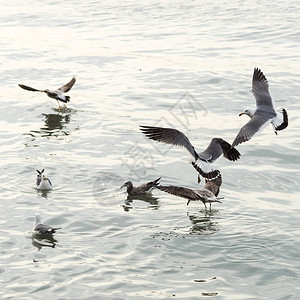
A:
[40,228]
[142,189]
[264,113]
[208,194]
[42,181]
[57,94]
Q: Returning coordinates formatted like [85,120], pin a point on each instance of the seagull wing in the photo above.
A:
[43,229]
[28,88]
[180,192]
[147,186]
[169,136]
[281,121]
[65,88]
[260,89]
[257,123]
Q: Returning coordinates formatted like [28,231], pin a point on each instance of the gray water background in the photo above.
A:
[186,65]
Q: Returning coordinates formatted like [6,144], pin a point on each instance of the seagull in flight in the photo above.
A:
[57,94]
[42,181]
[214,150]
[142,189]
[40,228]
[208,194]
[263,114]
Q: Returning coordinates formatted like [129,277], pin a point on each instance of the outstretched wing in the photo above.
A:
[180,192]
[260,89]
[169,136]
[28,88]
[65,88]
[257,123]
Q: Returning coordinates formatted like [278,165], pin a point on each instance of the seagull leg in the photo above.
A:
[188,202]
[59,107]
[209,206]
[205,206]
[199,179]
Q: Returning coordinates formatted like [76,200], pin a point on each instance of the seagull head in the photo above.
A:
[38,219]
[44,177]
[249,112]
[128,184]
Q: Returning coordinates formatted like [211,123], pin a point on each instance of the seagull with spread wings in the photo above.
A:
[214,150]
[208,194]
[263,114]
[57,94]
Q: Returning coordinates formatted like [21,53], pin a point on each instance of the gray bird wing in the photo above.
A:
[169,136]
[147,186]
[180,192]
[28,88]
[260,89]
[65,88]
[42,229]
[214,185]
[258,122]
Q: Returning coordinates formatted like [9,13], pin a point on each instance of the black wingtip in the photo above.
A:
[285,122]
[229,151]
[209,176]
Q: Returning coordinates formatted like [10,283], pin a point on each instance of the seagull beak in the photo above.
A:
[242,113]
[122,186]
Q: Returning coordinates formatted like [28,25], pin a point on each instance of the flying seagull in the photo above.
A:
[142,189]
[42,181]
[215,149]
[55,94]
[40,228]
[263,114]
[208,194]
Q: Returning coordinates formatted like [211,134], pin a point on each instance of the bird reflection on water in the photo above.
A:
[152,202]
[45,240]
[54,123]
[203,225]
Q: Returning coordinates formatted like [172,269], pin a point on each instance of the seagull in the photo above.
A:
[263,114]
[215,149]
[142,189]
[40,228]
[42,181]
[55,94]
[208,194]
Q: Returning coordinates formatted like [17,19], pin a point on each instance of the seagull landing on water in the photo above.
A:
[264,113]
[40,228]
[208,194]
[42,181]
[58,94]
[142,189]
[215,149]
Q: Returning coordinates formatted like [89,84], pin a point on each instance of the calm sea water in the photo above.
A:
[179,64]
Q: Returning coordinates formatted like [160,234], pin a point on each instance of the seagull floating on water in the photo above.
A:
[264,113]
[57,94]
[42,181]
[215,149]
[142,189]
[208,194]
[40,228]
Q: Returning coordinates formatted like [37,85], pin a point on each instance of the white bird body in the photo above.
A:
[42,181]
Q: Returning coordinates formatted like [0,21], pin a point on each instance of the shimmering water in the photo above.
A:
[182,64]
